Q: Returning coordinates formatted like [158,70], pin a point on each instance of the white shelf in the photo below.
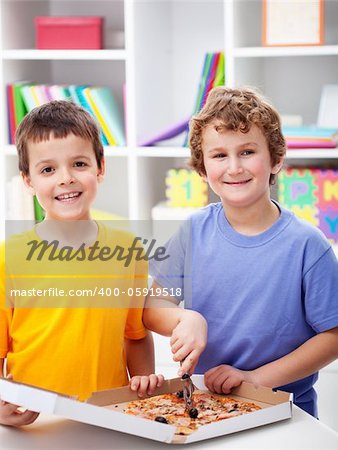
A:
[163,152]
[312,153]
[31,54]
[265,52]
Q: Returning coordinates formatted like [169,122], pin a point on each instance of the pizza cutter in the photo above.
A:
[188,389]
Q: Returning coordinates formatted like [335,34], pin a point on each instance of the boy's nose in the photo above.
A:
[66,178]
[234,166]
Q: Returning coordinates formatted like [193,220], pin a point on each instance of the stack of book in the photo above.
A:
[213,74]
[310,137]
[22,97]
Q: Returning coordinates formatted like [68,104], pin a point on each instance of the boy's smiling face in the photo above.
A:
[64,175]
[238,165]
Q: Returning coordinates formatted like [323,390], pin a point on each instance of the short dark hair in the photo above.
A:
[236,110]
[60,118]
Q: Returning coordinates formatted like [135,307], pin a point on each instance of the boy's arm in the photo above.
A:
[141,365]
[140,356]
[307,359]
[188,329]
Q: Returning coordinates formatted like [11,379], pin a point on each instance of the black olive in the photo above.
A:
[185,376]
[232,410]
[179,394]
[161,419]
[193,413]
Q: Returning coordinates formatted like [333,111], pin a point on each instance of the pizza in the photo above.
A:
[171,409]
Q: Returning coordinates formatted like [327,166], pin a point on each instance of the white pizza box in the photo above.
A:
[104,409]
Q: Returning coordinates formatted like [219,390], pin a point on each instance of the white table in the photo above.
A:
[50,432]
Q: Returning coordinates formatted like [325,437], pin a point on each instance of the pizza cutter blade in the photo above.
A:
[188,389]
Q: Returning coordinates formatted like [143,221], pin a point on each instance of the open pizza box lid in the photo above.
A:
[104,409]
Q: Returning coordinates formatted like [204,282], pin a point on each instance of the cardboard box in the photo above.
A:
[69,32]
[104,409]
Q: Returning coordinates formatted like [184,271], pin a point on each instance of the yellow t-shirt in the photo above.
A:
[66,343]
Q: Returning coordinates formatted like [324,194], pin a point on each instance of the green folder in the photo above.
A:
[38,210]
[19,105]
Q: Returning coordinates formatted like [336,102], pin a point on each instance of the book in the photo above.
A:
[310,132]
[22,97]
[203,81]
[10,113]
[39,212]
[19,104]
[167,133]
[105,135]
[39,94]
[109,112]
[58,92]
[77,93]
[310,143]
[27,97]
[211,76]
[220,72]
[16,109]
[310,137]
[73,94]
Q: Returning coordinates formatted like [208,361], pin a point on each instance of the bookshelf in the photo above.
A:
[160,63]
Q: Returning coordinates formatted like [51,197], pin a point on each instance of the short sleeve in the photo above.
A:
[5,313]
[174,271]
[134,326]
[321,293]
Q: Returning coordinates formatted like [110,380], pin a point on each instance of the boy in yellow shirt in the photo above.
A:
[50,335]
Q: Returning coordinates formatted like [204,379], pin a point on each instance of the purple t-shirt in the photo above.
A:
[263,296]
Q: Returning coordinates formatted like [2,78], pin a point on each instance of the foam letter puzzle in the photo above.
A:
[313,195]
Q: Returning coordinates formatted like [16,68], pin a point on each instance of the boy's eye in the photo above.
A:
[47,170]
[219,155]
[80,164]
[247,152]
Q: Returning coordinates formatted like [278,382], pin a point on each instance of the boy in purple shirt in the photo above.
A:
[266,281]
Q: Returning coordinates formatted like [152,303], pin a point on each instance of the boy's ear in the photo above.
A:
[203,176]
[27,182]
[101,172]
[277,167]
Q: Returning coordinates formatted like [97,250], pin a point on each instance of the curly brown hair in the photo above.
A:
[58,118]
[236,110]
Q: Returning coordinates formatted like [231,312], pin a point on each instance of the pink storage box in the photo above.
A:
[69,32]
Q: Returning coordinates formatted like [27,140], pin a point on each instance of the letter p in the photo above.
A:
[298,189]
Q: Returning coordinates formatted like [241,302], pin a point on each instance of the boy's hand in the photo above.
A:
[10,415]
[188,340]
[146,384]
[221,379]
